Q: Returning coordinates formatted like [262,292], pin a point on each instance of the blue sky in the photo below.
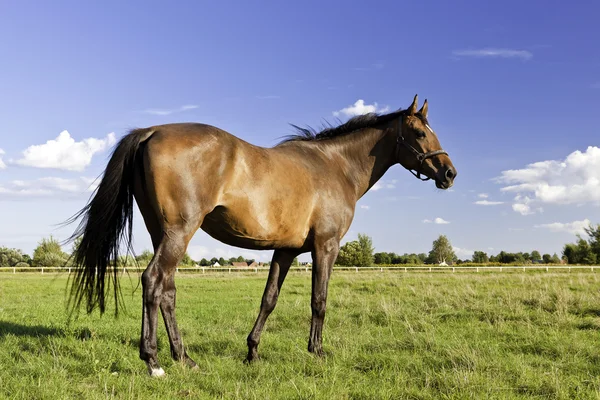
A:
[513,87]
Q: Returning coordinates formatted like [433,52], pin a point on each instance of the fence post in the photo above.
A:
[229,270]
[523,269]
[202,269]
[42,270]
[356,268]
[256,270]
[452,269]
[177,269]
[429,269]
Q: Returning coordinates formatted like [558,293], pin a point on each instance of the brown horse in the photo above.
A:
[297,197]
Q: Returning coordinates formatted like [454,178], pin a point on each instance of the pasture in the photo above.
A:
[386,335]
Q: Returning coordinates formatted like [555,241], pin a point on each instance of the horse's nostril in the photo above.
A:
[450,173]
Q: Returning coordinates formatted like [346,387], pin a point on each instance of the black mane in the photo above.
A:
[352,125]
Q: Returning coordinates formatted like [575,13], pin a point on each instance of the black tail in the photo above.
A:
[107,219]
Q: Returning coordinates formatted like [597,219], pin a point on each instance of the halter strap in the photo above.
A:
[421,157]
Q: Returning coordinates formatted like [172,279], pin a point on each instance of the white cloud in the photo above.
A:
[438,220]
[2,165]
[462,253]
[483,195]
[488,203]
[575,227]
[364,207]
[48,187]
[574,180]
[494,53]
[383,185]
[360,108]
[522,209]
[374,66]
[155,111]
[65,153]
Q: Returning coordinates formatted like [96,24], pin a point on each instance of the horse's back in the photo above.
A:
[246,195]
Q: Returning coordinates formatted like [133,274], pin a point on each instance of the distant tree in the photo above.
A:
[422,258]
[11,257]
[295,263]
[547,258]
[126,261]
[27,259]
[594,239]
[240,259]
[21,264]
[349,254]
[480,257]
[555,259]
[186,260]
[76,244]
[249,261]
[222,261]
[535,255]
[382,258]
[579,253]
[48,253]
[365,244]
[144,258]
[441,251]
[204,262]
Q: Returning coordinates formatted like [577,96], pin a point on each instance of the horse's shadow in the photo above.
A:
[11,328]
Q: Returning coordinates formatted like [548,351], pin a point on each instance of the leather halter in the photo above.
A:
[421,157]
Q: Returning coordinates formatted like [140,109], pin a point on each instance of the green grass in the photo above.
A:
[387,335]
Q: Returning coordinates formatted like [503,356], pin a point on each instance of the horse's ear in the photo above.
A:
[413,107]
[424,109]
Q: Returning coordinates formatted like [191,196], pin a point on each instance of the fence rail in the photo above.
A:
[424,268]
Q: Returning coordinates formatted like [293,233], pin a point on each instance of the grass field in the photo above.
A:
[386,335]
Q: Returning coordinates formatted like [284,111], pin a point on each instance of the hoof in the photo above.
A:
[156,372]
[250,360]
[190,363]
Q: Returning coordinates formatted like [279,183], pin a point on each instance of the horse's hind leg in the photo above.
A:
[277,273]
[324,256]
[167,307]
[159,291]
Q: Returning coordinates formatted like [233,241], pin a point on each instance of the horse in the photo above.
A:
[296,197]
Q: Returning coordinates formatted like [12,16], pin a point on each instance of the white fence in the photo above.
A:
[399,268]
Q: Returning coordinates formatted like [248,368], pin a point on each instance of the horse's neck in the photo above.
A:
[369,154]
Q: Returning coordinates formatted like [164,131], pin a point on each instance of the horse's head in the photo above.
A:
[419,149]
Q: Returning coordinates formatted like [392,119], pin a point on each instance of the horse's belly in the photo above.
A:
[255,230]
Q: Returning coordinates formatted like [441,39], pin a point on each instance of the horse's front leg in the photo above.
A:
[280,266]
[324,255]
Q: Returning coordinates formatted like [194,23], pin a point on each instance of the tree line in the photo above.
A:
[49,253]
[360,253]
[356,253]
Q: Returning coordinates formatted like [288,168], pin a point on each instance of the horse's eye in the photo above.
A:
[420,134]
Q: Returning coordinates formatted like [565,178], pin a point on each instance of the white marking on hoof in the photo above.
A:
[157,372]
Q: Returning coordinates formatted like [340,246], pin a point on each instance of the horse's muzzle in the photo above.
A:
[445,177]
